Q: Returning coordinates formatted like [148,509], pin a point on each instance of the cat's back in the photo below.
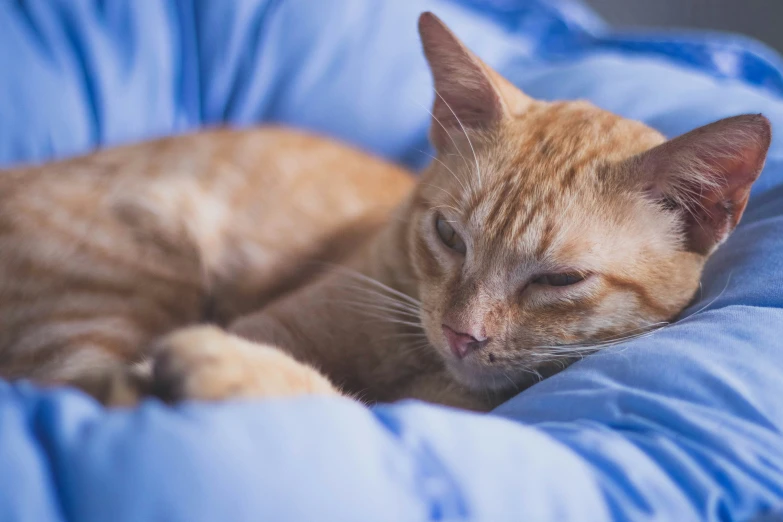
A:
[208,185]
[131,241]
[276,159]
[273,191]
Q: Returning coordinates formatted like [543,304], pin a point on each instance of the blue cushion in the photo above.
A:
[684,424]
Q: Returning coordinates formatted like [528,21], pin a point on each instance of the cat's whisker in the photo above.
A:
[584,349]
[464,130]
[445,206]
[386,305]
[370,280]
[382,316]
[663,324]
[387,311]
[413,348]
[420,345]
[705,307]
[359,395]
[509,379]
[580,350]
[403,336]
[536,373]
[406,323]
[417,343]
[449,194]
[456,147]
[390,320]
[629,334]
[376,298]
[461,184]
[525,368]
[389,299]
[589,348]
[397,306]
[363,305]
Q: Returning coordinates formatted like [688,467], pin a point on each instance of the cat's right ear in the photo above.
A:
[468,93]
[706,175]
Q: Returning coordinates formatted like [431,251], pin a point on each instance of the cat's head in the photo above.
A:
[545,226]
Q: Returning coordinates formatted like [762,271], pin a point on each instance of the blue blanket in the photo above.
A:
[685,424]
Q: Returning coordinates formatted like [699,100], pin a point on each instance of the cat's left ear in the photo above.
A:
[707,174]
[468,93]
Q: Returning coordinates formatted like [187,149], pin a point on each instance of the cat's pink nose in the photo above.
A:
[462,344]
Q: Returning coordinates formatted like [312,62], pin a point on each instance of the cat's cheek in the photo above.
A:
[434,298]
[436,340]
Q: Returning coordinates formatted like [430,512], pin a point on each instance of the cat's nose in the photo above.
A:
[462,344]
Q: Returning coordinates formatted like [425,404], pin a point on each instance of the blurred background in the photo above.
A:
[761,19]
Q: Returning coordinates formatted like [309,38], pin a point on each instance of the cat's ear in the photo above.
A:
[707,174]
[468,93]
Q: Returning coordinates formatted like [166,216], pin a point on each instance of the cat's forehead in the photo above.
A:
[546,175]
[530,222]
[565,136]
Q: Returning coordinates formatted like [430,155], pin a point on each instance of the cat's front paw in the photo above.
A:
[207,363]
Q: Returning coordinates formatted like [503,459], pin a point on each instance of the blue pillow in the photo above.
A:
[684,424]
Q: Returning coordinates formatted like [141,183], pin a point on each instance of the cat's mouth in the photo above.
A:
[480,370]
[476,375]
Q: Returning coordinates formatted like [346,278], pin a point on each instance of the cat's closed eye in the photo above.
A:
[561,279]
[448,235]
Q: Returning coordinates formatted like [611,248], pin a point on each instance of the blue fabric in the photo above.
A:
[685,424]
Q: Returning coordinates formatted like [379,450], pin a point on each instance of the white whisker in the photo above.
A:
[475,158]
[446,206]
[461,184]
[364,305]
[375,297]
[703,308]
[456,147]
[389,320]
[554,352]
[370,280]
[402,336]
[449,194]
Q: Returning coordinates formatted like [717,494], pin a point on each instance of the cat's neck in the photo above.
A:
[358,323]
[377,306]
[385,258]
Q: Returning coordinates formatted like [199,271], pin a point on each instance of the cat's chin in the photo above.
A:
[480,378]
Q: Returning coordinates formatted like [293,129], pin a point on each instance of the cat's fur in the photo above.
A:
[315,255]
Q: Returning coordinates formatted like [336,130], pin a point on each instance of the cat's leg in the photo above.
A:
[208,363]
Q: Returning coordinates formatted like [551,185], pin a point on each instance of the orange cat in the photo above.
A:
[540,232]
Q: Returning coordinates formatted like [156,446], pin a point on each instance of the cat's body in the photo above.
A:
[103,254]
[541,230]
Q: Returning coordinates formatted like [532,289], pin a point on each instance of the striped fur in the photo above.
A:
[320,261]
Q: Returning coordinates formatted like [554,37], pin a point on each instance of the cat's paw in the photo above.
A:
[207,363]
